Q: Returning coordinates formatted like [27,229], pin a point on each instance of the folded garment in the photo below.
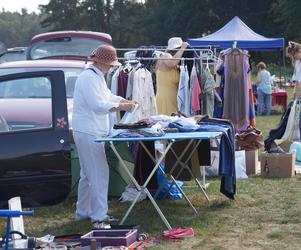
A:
[139,124]
[276,150]
[249,139]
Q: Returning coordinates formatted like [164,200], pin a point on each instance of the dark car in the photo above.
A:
[66,44]
[34,130]
[13,54]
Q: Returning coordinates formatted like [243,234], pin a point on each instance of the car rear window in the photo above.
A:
[63,47]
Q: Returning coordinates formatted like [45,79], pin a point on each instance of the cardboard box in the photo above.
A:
[252,162]
[277,165]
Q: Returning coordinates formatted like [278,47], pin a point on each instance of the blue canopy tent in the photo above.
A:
[237,31]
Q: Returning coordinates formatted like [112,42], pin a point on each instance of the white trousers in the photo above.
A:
[92,201]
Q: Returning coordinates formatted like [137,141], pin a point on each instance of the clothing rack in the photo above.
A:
[157,58]
[162,48]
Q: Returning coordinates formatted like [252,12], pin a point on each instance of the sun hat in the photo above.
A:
[104,54]
[174,42]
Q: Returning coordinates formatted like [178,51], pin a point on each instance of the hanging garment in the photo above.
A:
[129,88]
[114,116]
[296,129]
[122,86]
[289,126]
[252,109]
[183,92]
[114,82]
[218,110]
[278,132]
[207,95]
[167,88]
[195,92]
[122,83]
[236,91]
[144,165]
[227,159]
[251,100]
[143,93]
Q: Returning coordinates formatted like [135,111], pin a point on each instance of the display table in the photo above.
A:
[169,138]
[279,98]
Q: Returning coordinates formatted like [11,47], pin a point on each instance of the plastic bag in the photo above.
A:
[174,193]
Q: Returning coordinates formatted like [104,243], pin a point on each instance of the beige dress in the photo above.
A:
[167,88]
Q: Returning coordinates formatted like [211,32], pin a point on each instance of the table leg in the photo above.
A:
[143,188]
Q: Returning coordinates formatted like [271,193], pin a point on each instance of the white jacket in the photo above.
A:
[92,102]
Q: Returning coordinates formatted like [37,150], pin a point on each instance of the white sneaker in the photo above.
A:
[110,218]
[101,225]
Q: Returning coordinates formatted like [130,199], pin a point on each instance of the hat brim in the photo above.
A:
[96,59]
[173,48]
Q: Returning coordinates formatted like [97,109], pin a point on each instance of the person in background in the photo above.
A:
[92,103]
[168,77]
[294,52]
[264,90]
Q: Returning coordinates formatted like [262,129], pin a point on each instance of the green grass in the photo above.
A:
[264,215]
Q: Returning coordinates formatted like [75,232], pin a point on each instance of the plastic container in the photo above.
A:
[111,237]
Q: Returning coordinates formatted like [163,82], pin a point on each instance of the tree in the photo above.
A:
[126,26]
[287,17]
[17,29]
[93,15]
[61,14]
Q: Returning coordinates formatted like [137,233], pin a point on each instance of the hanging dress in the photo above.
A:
[167,88]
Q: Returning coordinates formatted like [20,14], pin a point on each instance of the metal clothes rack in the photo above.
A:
[205,54]
[156,58]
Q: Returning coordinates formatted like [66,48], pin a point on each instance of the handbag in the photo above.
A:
[249,139]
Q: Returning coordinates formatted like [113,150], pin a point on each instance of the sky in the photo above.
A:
[17,5]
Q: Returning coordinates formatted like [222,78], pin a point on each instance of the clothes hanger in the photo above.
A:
[127,67]
[182,61]
[207,64]
[235,51]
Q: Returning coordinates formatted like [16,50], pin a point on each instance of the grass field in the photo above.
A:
[264,215]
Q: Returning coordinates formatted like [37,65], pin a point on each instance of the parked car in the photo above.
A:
[2,48]
[66,44]
[35,123]
[13,54]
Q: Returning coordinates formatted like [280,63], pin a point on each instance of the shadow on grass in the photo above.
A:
[220,205]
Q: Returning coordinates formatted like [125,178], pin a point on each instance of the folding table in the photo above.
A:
[170,138]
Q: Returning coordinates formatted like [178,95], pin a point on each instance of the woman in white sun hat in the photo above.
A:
[167,75]
[91,106]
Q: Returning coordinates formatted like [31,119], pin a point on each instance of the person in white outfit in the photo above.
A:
[90,120]
[294,52]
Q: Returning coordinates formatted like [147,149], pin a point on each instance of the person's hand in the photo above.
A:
[184,45]
[127,106]
[128,101]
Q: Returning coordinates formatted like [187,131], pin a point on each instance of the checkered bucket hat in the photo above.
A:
[105,54]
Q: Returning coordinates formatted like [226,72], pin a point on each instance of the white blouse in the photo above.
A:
[143,93]
[297,72]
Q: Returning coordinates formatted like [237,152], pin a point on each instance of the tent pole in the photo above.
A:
[283,63]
